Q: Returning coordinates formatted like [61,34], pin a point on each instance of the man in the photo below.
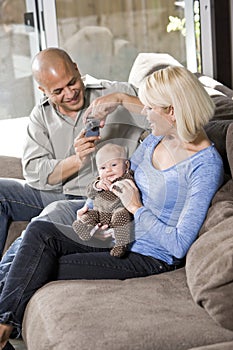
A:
[57,159]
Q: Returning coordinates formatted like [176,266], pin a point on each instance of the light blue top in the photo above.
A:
[175,200]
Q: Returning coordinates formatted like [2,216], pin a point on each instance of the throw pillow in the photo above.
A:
[209,269]
[229,146]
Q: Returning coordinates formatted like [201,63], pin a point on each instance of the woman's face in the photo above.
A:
[161,119]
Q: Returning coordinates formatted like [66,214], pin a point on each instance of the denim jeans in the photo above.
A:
[47,254]
[20,202]
[61,212]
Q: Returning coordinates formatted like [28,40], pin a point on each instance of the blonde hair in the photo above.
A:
[178,87]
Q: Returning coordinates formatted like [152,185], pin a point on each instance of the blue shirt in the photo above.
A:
[175,200]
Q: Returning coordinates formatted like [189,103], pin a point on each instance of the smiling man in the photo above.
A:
[56,160]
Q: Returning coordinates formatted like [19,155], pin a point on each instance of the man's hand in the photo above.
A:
[84,146]
[102,106]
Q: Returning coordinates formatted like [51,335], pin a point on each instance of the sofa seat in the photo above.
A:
[151,313]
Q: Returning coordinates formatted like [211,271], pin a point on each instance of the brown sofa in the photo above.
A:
[158,312]
[191,308]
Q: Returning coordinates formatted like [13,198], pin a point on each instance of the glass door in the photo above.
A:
[104,37]
[16,86]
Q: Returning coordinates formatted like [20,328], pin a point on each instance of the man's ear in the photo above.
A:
[76,67]
[42,89]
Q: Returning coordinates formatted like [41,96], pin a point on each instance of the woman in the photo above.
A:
[177,171]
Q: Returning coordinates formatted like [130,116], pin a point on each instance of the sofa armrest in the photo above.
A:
[11,167]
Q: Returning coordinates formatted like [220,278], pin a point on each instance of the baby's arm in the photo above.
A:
[101,185]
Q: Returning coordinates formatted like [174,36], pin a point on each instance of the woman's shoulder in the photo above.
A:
[151,140]
[209,155]
[208,163]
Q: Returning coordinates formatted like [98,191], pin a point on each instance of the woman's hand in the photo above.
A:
[100,232]
[80,212]
[128,193]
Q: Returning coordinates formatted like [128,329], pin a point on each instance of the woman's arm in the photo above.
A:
[177,239]
[162,234]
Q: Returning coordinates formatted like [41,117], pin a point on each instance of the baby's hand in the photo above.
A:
[103,185]
[81,211]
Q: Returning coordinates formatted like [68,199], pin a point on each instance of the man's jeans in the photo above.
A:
[61,212]
[20,202]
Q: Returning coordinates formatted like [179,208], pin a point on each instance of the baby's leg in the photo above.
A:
[83,228]
[122,224]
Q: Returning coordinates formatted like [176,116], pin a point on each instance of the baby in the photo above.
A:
[112,166]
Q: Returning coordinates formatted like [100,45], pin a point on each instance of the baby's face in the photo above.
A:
[112,169]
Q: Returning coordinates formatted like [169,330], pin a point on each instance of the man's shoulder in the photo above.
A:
[42,109]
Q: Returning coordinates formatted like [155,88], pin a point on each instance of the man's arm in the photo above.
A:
[104,105]
[51,155]
[67,167]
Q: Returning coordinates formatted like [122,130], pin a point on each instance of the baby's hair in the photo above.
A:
[115,150]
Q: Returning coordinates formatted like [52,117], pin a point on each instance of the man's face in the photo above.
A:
[65,89]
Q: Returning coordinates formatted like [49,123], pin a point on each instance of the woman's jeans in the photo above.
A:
[53,252]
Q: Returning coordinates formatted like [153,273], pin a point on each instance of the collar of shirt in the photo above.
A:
[91,82]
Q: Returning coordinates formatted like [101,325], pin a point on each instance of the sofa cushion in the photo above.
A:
[218,346]
[145,63]
[216,130]
[11,167]
[229,147]
[209,269]
[209,263]
[151,313]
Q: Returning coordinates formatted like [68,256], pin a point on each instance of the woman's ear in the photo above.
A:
[171,112]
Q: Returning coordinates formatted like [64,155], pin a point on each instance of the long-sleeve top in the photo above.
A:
[50,138]
[175,200]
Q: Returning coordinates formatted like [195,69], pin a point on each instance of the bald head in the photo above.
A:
[49,63]
[59,79]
